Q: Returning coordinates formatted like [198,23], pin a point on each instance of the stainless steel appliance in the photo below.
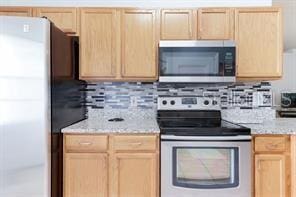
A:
[197,61]
[39,95]
[202,155]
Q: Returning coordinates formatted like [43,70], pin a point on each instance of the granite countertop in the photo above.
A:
[276,126]
[135,121]
[144,121]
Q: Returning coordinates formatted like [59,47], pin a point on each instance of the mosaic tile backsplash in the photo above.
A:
[124,95]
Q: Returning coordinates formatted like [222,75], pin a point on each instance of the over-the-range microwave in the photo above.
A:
[197,61]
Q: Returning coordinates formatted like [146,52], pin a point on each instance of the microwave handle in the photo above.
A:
[206,138]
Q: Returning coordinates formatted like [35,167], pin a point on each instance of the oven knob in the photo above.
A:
[215,102]
[173,102]
[206,102]
[164,102]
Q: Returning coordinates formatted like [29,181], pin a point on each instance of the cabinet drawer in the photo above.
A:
[145,143]
[86,143]
[267,144]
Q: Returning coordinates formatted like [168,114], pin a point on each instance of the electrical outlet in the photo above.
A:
[134,102]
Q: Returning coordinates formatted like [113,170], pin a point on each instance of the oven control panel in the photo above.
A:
[187,103]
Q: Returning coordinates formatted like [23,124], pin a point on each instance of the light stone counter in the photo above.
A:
[277,126]
[135,121]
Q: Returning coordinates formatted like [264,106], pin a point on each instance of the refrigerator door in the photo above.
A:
[24,107]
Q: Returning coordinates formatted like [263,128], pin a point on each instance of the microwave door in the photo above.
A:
[193,64]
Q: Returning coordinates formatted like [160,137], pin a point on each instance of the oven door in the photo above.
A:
[198,61]
[205,166]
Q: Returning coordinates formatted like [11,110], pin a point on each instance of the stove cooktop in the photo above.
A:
[197,123]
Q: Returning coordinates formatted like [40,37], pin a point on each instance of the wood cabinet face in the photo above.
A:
[138,44]
[86,174]
[98,43]
[135,174]
[215,24]
[15,11]
[270,175]
[178,24]
[63,18]
[259,42]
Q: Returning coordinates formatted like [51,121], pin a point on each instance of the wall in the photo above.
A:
[288,82]
[138,3]
[289,15]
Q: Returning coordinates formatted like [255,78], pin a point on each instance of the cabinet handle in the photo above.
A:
[271,146]
[85,143]
[136,143]
[259,165]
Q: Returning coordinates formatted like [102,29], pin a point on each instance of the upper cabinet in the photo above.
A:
[98,43]
[139,44]
[178,24]
[215,24]
[63,18]
[16,11]
[259,39]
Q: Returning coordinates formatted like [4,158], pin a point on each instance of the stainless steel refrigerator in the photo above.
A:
[39,95]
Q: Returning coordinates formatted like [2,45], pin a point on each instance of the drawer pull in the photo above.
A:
[271,146]
[136,143]
[85,143]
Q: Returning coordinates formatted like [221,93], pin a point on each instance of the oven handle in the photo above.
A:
[206,138]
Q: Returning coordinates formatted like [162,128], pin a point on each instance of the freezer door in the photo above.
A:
[24,107]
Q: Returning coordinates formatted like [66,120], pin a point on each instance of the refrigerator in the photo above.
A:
[39,95]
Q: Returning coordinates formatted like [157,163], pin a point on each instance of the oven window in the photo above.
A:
[196,61]
[205,167]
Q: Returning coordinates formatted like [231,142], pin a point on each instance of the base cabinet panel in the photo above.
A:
[135,175]
[86,175]
[270,175]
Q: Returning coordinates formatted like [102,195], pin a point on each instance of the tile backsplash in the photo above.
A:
[124,95]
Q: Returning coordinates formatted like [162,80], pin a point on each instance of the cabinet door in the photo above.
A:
[178,24]
[135,175]
[98,43]
[259,42]
[63,18]
[138,44]
[16,11]
[215,24]
[86,175]
[270,175]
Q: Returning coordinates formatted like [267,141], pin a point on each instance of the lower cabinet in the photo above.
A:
[272,166]
[111,165]
[270,175]
[86,175]
[135,175]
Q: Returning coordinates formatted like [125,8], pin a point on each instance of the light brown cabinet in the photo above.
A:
[86,174]
[98,43]
[118,44]
[63,18]
[16,11]
[215,24]
[178,24]
[139,44]
[272,167]
[111,165]
[259,39]
[270,175]
[135,174]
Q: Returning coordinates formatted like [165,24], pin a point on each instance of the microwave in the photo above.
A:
[197,61]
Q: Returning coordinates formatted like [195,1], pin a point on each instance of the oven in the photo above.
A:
[197,61]
[205,166]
